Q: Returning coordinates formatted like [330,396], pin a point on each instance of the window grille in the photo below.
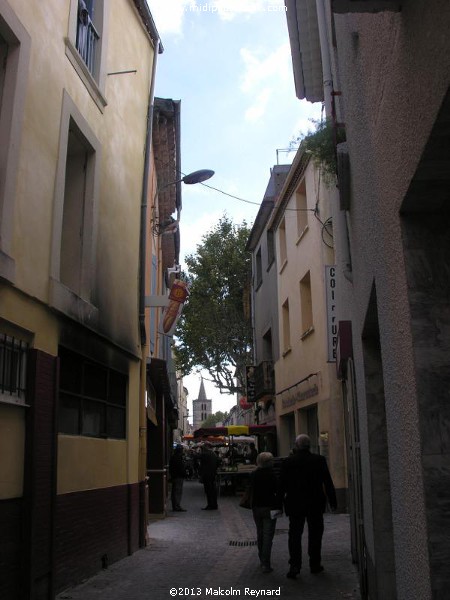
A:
[87,35]
[92,398]
[13,367]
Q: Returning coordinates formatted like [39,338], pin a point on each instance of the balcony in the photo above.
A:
[87,37]
[264,381]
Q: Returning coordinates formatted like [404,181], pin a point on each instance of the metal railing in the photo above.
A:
[87,36]
[12,366]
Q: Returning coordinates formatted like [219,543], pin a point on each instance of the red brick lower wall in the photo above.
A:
[11,535]
[92,530]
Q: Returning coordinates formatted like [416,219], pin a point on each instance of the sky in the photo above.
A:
[229,63]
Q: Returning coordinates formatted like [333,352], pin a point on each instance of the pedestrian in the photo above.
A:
[265,506]
[305,485]
[208,471]
[252,454]
[177,472]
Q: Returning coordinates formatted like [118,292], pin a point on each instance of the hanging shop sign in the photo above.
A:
[332,322]
[171,313]
[250,381]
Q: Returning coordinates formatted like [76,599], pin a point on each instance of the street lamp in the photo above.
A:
[197,176]
[171,224]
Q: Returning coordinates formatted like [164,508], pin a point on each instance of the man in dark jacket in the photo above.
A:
[208,470]
[305,485]
[177,472]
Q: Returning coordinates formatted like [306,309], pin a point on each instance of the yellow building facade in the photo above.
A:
[74,101]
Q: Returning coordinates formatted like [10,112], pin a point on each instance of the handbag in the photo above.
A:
[247,497]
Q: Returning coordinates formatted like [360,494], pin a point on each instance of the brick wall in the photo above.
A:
[39,478]
[10,548]
[92,530]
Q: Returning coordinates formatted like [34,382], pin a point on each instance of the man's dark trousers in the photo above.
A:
[315,533]
[209,485]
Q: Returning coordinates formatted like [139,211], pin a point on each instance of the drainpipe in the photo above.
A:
[341,218]
[142,465]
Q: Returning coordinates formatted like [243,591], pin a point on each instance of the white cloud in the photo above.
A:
[258,108]
[193,226]
[273,68]
[229,9]
[262,76]
[168,14]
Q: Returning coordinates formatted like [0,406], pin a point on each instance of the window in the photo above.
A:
[267,353]
[13,364]
[78,182]
[85,45]
[283,247]
[15,47]
[258,268]
[301,208]
[270,248]
[286,328]
[92,398]
[306,305]
[74,216]
[88,38]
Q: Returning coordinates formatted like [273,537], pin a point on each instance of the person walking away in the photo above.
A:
[252,454]
[208,470]
[305,485]
[177,472]
[264,486]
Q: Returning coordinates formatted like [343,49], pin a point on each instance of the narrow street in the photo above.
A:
[213,553]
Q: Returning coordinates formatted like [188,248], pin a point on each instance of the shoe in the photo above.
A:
[317,570]
[292,573]
[207,508]
[267,569]
[179,510]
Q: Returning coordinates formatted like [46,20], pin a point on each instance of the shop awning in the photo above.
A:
[235,430]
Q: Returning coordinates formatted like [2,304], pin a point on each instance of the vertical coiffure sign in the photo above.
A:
[332,323]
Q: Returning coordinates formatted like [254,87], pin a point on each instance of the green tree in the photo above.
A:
[212,420]
[214,332]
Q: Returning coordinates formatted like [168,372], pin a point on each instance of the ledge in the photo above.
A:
[307,333]
[83,72]
[68,302]
[302,234]
[287,351]
[7,267]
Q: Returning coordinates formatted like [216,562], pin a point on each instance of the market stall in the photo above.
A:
[233,444]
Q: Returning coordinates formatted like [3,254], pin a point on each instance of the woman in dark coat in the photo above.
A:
[264,500]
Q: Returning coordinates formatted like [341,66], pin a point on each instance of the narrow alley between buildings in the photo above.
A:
[201,554]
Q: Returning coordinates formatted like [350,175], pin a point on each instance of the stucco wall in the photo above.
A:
[120,129]
[308,353]
[394,73]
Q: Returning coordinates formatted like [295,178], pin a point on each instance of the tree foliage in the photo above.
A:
[214,331]
[212,420]
[321,145]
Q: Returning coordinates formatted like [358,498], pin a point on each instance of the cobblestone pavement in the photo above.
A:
[201,554]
